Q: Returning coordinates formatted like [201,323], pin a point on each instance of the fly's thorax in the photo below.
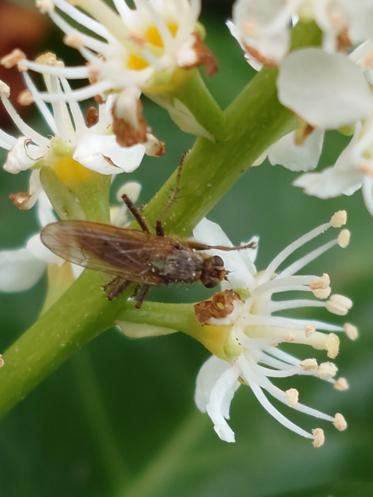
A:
[213,271]
[182,265]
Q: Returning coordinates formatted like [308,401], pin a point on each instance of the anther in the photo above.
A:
[292,396]
[339,304]
[13,58]
[340,422]
[351,331]
[73,40]
[309,329]
[318,438]
[2,362]
[25,98]
[332,345]
[338,219]
[309,365]
[327,370]
[341,384]
[344,238]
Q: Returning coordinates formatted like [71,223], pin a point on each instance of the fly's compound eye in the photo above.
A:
[213,271]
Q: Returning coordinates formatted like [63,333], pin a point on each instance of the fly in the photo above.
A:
[134,256]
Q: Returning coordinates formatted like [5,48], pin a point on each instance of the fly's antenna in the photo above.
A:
[135,213]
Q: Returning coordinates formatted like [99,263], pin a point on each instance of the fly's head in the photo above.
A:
[213,271]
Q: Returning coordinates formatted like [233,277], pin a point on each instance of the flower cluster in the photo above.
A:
[326,87]
[250,353]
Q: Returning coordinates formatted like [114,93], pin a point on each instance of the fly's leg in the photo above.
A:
[115,287]
[140,294]
[136,213]
[159,228]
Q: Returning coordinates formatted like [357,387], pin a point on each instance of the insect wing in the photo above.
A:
[117,251]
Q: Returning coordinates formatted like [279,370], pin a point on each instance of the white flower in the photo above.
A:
[124,47]
[326,90]
[21,269]
[251,353]
[352,171]
[72,142]
[263,29]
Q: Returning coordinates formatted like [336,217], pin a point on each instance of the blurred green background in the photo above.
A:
[118,420]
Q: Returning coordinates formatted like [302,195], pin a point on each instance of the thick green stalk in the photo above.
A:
[253,121]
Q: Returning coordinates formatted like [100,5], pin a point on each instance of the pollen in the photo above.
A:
[310,328]
[338,219]
[318,437]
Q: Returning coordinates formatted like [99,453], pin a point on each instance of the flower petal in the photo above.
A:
[208,375]
[331,182]
[326,90]
[40,252]
[19,270]
[304,157]
[102,154]
[235,262]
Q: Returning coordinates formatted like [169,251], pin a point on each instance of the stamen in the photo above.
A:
[4,89]
[332,346]
[25,98]
[322,282]
[2,362]
[309,365]
[45,6]
[318,437]
[344,238]
[351,331]
[73,40]
[340,422]
[341,384]
[292,396]
[310,328]
[338,219]
[13,58]
[339,304]
[327,370]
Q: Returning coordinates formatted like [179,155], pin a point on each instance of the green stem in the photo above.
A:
[107,447]
[253,121]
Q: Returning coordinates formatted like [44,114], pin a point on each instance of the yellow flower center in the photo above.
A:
[70,172]
[152,37]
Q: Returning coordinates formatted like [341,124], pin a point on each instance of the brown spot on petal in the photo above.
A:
[303,133]
[220,306]
[130,133]
[343,40]
[21,200]
[259,57]
[204,56]
[91,117]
